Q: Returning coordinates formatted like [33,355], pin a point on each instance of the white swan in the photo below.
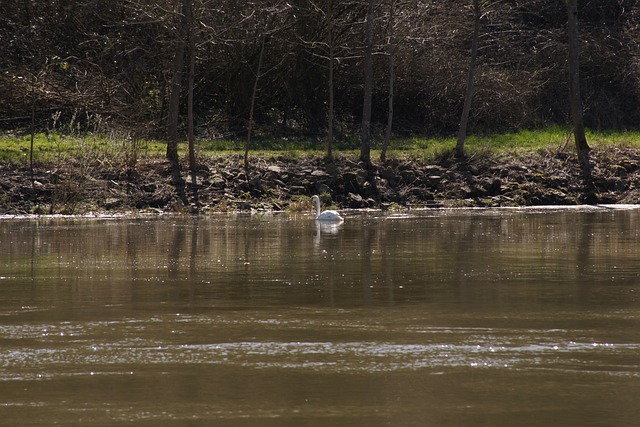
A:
[325,215]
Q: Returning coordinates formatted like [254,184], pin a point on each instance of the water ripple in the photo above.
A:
[341,356]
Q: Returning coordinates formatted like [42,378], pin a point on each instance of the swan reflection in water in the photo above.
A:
[327,229]
[328,222]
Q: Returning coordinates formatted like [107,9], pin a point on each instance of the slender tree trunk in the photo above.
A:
[365,150]
[387,132]
[192,70]
[464,120]
[175,88]
[191,136]
[33,128]
[330,88]
[392,77]
[253,103]
[582,146]
[163,98]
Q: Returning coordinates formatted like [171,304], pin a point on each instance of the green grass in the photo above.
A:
[629,138]
[513,141]
[521,141]
[110,148]
[554,136]
[47,147]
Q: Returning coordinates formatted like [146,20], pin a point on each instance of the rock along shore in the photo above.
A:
[284,182]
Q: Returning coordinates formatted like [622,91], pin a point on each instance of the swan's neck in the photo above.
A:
[317,206]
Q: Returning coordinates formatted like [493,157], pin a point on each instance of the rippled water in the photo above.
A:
[444,317]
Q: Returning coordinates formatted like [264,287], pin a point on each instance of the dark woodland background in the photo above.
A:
[93,65]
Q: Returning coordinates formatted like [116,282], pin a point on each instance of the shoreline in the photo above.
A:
[276,183]
[400,214]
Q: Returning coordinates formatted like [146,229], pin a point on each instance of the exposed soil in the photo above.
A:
[547,177]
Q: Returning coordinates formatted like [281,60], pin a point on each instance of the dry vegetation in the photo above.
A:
[280,182]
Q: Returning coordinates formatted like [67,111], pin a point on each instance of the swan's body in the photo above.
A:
[325,215]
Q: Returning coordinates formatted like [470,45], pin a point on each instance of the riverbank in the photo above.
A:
[279,181]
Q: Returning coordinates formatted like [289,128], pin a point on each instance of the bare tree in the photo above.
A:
[176,84]
[254,94]
[328,36]
[332,54]
[365,150]
[192,71]
[582,146]
[464,120]
[270,21]
[391,55]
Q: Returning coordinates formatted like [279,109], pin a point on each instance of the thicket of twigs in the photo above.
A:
[91,64]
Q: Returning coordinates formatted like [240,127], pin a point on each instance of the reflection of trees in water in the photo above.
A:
[491,257]
[500,258]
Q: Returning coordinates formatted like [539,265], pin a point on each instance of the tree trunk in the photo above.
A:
[365,150]
[253,103]
[582,146]
[464,120]
[330,83]
[32,130]
[192,70]
[392,77]
[387,132]
[176,84]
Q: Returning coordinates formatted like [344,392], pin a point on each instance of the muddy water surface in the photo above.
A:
[438,318]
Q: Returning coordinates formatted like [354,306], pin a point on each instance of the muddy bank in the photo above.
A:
[76,186]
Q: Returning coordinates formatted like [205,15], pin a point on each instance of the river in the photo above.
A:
[498,317]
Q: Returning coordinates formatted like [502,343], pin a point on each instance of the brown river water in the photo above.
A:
[435,318]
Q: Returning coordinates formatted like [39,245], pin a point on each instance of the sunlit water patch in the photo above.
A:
[93,347]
